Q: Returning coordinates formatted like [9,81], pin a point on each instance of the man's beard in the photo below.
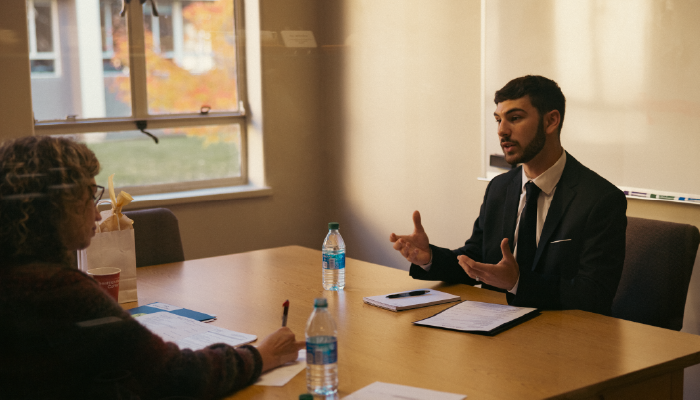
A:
[534,147]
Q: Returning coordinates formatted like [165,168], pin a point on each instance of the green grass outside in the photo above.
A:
[177,158]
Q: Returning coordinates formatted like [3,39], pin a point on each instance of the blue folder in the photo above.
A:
[184,312]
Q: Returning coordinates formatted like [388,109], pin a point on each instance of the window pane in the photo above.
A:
[165,22]
[82,87]
[115,62]
[183,154]
[44,36]
[190,59]
[39,66]
[111,22]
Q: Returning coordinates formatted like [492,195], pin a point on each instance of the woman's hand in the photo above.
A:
[279,347]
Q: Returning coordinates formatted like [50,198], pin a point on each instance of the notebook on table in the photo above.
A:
[431,298]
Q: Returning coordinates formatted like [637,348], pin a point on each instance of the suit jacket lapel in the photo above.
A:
[563,195]
[510,212]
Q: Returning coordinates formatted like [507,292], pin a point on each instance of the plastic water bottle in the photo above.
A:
[321,351]
[333,259]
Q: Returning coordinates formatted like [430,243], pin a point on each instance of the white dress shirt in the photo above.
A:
[547,182]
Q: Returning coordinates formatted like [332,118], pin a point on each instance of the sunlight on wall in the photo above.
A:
[601,49]
[411,128]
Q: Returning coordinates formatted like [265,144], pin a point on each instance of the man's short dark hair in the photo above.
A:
[545,94]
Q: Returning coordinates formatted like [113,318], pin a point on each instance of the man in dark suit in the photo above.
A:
[551,232]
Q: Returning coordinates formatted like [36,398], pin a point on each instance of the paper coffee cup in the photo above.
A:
[108,279]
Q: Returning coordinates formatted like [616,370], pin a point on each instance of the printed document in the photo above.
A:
[389,391]
[188,333]
[474,316]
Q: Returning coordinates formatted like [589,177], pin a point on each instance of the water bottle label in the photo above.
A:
[322,353]
[334,261]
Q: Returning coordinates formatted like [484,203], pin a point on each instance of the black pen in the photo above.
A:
[286,311]
[407,294]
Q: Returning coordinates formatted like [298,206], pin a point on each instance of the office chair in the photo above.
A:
[157,237]
[659,260]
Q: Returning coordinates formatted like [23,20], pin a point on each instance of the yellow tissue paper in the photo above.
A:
[114,220]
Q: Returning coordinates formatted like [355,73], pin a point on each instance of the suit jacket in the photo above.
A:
[579,257]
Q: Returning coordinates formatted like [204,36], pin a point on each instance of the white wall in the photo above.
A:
[411,131]
[630,73]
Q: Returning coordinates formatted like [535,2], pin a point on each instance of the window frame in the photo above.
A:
[139,106]
[54,55]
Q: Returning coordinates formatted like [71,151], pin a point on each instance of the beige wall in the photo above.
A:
[15,103]
[411,132]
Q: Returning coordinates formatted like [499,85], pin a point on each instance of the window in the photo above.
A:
[43,34]
[129,80]
[111,24]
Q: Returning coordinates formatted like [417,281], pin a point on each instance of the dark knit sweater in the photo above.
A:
[62,337]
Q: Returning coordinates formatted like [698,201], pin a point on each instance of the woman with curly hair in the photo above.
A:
[61,335]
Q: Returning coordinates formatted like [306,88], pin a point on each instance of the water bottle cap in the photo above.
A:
[333,225]
[320,303]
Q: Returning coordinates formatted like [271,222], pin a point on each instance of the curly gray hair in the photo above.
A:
[41,181]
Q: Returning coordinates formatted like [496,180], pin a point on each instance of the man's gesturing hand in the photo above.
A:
[413,247]
[503,275]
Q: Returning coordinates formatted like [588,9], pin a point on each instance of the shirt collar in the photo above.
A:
[549,179]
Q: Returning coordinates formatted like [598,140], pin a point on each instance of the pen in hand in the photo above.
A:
[407,294]
[286,311]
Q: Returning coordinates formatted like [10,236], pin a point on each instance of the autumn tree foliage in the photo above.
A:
[204,75]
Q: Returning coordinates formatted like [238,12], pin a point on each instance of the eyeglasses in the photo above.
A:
[99,191]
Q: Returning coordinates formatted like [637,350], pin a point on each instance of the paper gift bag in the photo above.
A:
[113,245]
[113,249]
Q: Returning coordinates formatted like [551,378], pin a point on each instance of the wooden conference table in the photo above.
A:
[559,354]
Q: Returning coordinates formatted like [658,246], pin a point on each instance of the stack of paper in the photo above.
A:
[407,303]
[188,333]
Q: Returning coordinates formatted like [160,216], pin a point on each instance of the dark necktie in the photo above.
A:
[527,231]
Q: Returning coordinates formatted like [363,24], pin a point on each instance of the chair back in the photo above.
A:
[659,260]
[157,237]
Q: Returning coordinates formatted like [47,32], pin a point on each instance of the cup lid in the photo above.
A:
[320,302]
[104,271]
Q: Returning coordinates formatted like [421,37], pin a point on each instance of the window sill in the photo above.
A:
[199,195]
